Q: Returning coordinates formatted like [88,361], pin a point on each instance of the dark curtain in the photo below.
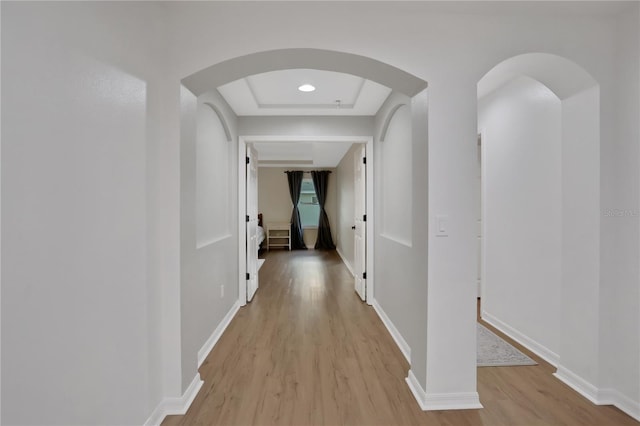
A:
[321,183]
[295,185]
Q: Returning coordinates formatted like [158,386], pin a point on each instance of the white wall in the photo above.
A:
[274,201]
[399,290]
[396,177]
[620,299]
[345,176]
[521,129]
[160,45]
[443,51]
[305,126]
[214,157]
[581,210]
[78,102]
[205,268]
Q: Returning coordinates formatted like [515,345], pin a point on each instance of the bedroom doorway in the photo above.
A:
[249,147]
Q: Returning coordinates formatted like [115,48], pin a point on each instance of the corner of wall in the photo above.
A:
[395,334]
[416,389]
[443,401]
[175,406]
[217,333]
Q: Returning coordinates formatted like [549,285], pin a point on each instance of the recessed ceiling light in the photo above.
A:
[306,88]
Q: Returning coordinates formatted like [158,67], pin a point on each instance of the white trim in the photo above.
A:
[294,139]
[175,406]
[535,347]
[213,241]
[370,171]
[397,337]
[442,401]
[578,384]
[397,240]
[623,402]
[215,336]
[416,389]
[598,396]
[242,224]
[452,401]
[344,260]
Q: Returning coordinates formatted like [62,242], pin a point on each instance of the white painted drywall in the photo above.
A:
[345,176]
[161,45]
[274,201]
[521,127]
[78,101]
[396,178]
[208,267]
[442,50]
[581,313]
[213,193]
[620,274]
[305,126]
[398,290]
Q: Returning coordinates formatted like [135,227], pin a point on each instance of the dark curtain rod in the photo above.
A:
[308,171]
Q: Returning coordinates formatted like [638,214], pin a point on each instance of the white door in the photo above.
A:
[252,222]
[360,243]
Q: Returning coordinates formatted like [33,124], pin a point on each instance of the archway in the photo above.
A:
[200,88]
[552,106]
[282,59]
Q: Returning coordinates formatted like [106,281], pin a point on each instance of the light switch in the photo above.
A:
[442,226]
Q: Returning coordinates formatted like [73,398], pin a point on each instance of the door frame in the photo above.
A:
[250,152]
[242,204]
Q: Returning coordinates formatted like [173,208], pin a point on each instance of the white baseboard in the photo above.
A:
[418,393]
[344,260]
[578,384]
[596,395]
[623,402]
[568,377]
[452,401]
[535,347]
[179,406]
[626,404]
[397,337]
[175,406]
[215,336]
[442,401]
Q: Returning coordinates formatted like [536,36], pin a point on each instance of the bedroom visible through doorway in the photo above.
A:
[275,203]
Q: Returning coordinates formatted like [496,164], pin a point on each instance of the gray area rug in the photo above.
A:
[493,351]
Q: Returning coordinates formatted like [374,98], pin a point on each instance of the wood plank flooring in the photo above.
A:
[307,351]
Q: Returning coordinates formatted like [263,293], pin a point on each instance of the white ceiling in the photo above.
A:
[276,93]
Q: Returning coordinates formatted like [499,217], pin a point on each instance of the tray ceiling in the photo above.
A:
[276,93]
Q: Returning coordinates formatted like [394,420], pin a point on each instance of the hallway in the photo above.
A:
[307,351]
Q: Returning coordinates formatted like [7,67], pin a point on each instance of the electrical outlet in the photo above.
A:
[221,291]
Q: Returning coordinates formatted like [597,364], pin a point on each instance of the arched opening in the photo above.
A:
[283,59]
[538,121]
[204,268]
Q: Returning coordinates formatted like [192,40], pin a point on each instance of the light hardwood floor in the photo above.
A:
[307,351]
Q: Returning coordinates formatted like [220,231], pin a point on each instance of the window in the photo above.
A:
[308,204]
